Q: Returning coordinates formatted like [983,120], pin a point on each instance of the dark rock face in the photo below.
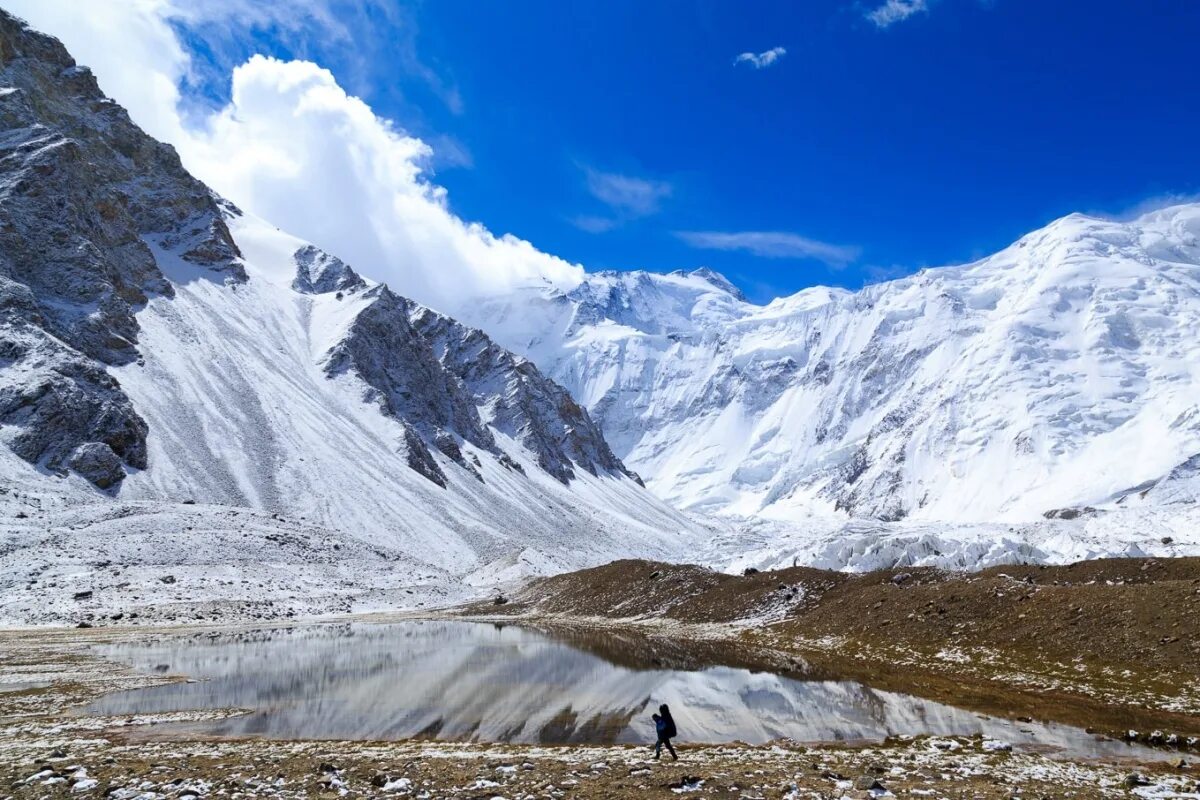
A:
[408,382]
[98,463]
[318,272]
[54,400]
[435,375]
[420,460]
[82,191]
[522,402]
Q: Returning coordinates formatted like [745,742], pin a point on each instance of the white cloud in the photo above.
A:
[894,11]
[772,244]
[593,223]
[293,147]
[1149,204]
[627,197]
[761,60]
[625,194]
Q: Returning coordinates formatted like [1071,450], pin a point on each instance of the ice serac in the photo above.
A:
[1057,373]
[82,189]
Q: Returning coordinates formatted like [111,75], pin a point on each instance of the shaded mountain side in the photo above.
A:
[519,400]
[81,189]
[160,347]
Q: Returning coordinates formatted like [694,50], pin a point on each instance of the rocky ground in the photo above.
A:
[1107,644]
[1111,644]
[47,751]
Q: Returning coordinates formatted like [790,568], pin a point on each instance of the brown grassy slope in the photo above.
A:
[1114,611]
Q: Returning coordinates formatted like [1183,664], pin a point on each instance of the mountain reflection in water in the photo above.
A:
[472,681]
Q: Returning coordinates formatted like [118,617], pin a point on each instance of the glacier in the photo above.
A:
[999,406]
[1060,372]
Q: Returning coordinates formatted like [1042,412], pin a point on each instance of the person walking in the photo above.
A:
[664,728]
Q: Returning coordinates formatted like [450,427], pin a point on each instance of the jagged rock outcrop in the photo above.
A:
[407,380]
[82,192]
[437,375]
[519,400]
[318,272]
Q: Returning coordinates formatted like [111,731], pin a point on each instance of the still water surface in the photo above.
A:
[471,681]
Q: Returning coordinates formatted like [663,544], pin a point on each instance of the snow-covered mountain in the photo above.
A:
[187,392]
[158,346]
[1061,372]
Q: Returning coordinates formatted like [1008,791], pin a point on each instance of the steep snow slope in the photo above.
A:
[244,408]
[1063,371]
[165,358]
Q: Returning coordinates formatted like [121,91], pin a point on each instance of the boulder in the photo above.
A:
[99,464]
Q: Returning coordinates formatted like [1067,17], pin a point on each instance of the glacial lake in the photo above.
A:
[481,682]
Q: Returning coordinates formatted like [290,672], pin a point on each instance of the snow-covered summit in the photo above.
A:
[1061,371]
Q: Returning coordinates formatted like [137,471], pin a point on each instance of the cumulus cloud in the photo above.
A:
[761,60]
[894,11]
[627,197]
[294,147]
[772,244]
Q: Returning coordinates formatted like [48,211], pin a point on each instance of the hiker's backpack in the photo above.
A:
[670,731]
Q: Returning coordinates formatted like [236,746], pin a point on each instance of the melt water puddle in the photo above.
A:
[481,682]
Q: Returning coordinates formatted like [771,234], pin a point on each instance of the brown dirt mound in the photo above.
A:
[1145,611]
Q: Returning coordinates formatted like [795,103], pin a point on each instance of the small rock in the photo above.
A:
[167,579]
[867,783]
[901,577]
[500,600]
[686,782]
[1133,779]
[380,780]
[85,595]
[750,571]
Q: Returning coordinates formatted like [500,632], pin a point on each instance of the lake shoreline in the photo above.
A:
[40,737]
[1112,645]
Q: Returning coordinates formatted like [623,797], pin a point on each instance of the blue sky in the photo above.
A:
[871,143]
